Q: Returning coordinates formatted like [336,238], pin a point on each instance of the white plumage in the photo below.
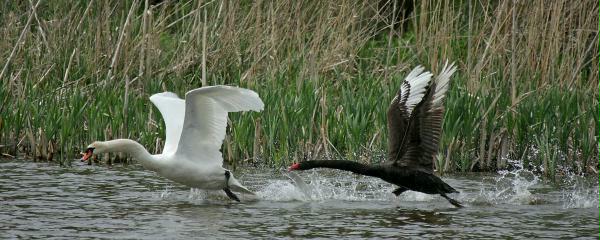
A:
[442,85]
[195,129]
[414,86]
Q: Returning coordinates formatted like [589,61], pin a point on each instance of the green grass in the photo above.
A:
[324,71]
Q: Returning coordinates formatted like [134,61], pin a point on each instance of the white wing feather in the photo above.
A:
[206,119]
[417,80]
[172,109]
[442,81]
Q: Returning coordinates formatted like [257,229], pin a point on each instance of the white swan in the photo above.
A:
[195,129]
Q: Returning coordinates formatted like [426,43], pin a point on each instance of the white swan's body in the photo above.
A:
[195,129]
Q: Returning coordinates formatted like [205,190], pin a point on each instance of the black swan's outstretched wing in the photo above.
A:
[411,92]
[425,125]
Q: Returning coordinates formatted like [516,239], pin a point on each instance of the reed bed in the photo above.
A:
[526,89]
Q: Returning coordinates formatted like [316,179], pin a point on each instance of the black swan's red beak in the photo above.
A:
[295,166]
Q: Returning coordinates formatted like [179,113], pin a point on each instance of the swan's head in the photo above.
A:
[295,166]
[94,148]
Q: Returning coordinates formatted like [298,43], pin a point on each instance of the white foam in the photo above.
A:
[166,192]
[515,187]
[281,190]
[320,188]
[412,196]
[578,194]
[512,187]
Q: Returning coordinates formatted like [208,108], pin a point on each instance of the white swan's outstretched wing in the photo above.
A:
[172,109]
[206,119]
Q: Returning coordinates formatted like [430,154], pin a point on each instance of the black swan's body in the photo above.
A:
[414,128]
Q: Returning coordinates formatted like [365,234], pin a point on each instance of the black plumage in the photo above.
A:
[414,128]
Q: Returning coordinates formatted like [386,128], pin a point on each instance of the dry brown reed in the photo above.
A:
[324,68]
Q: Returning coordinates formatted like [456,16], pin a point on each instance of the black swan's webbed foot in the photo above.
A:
[229,193]
[399,191]
[452,201]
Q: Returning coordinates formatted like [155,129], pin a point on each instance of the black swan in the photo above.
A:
[414,128]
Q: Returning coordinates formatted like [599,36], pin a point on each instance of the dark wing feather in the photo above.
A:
[399,112]
[426,124]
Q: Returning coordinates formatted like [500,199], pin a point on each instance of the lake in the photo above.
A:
[44,200]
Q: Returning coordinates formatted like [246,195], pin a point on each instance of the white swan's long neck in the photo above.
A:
[134,149]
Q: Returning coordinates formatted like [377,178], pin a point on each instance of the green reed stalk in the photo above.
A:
[526,88]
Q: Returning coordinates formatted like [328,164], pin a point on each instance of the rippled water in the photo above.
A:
[42,200]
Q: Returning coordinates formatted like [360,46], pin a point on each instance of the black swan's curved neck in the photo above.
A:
[355,167]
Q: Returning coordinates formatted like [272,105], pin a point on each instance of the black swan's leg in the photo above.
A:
[227,190]
[399,191]
[231,194]
[452,201]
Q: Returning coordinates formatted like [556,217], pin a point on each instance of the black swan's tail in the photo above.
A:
[452,201]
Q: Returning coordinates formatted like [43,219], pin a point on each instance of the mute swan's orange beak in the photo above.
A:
[87,154]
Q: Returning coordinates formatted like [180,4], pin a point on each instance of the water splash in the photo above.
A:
[195,195]
[511,187]
[577,192]
[166,192]
[412,196]
[198,194]
[518,187]
[318,188]
[281,190]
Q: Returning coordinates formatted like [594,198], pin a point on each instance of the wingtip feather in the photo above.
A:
[164,94]
[417,81]
[249,101]
[442,82]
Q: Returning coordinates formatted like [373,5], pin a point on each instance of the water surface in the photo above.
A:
[43,200]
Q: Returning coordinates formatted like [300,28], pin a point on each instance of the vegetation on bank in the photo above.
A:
[526,88]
